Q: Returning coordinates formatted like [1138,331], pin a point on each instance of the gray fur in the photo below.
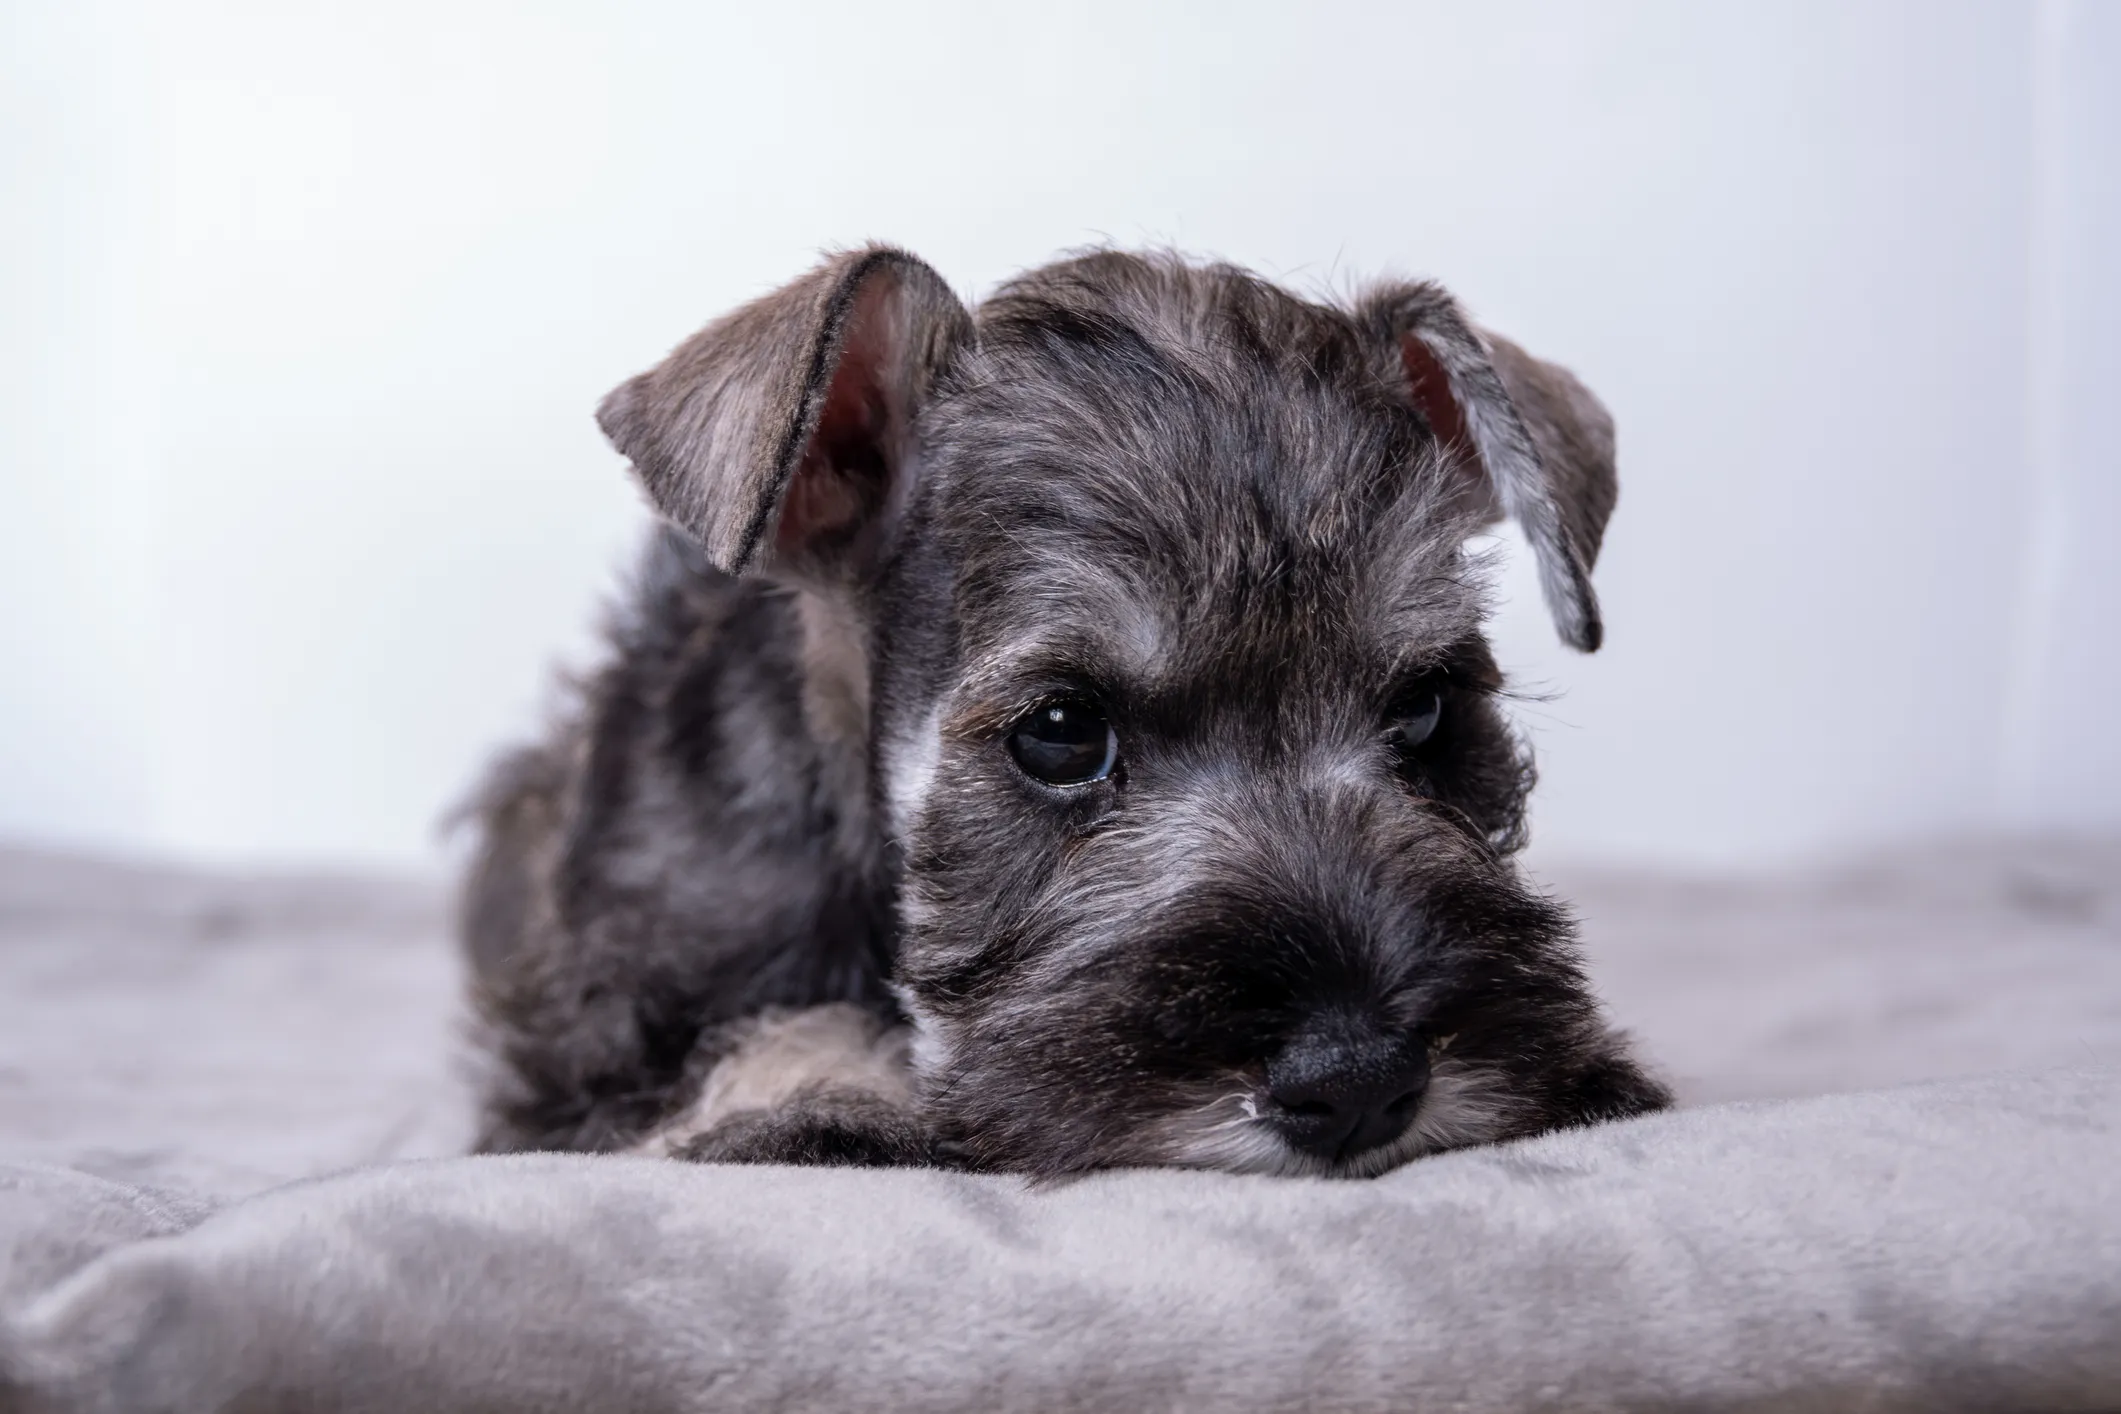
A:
[1233,520]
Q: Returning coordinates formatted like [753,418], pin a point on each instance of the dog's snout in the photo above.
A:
[1339,1090]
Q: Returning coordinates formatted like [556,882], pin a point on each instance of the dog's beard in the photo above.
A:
[1229,1128]
[1466,1103]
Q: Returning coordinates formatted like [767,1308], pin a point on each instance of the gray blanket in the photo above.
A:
[1947,1247]
[1954,1245]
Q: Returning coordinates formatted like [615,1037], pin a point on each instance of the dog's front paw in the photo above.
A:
[844,1130]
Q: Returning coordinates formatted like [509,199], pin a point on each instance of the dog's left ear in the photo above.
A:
[781,435]
[1536,446]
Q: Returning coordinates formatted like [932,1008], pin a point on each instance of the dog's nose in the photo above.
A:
[1340,1090]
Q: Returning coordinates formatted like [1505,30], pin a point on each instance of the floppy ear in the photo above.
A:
[1536,445]
[780,435]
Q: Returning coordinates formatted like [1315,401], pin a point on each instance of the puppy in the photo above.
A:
[1056,735]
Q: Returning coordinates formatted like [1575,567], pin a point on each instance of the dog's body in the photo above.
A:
[1055,737]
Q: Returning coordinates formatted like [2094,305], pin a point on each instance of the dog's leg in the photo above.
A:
[823,1085]
[832,1128]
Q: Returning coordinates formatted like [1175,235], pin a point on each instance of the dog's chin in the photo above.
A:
[1466,1104]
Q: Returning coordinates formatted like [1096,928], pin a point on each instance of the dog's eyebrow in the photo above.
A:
[1020,675]
[1432,623]
[1466,662]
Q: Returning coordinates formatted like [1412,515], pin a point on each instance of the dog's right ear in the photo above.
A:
[780,435]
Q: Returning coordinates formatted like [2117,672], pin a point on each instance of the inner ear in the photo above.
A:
[1431,387]
[843,482]
[1430,384]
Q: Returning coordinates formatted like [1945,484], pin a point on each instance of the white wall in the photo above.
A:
[308,306]
[2061,758]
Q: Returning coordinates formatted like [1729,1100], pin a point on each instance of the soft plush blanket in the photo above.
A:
[1958,1245]
[1947,1247]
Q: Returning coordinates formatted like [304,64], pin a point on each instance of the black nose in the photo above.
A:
[1340,1088]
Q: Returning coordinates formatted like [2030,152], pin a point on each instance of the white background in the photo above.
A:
[307,307]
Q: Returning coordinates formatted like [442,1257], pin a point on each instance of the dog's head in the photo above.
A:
[1180,714]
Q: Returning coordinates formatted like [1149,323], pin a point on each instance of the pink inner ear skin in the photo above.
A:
[819,504]
[1431,387]
[845,472]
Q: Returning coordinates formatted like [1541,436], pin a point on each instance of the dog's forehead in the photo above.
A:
[1152,455]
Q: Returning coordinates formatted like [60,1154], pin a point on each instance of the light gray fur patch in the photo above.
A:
[909,763]
[835,663]
[931,1045]
[784,1054]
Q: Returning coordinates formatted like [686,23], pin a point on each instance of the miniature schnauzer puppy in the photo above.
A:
[1055,735]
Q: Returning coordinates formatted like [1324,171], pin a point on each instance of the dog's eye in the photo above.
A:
[1414,722]
[1065,744]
